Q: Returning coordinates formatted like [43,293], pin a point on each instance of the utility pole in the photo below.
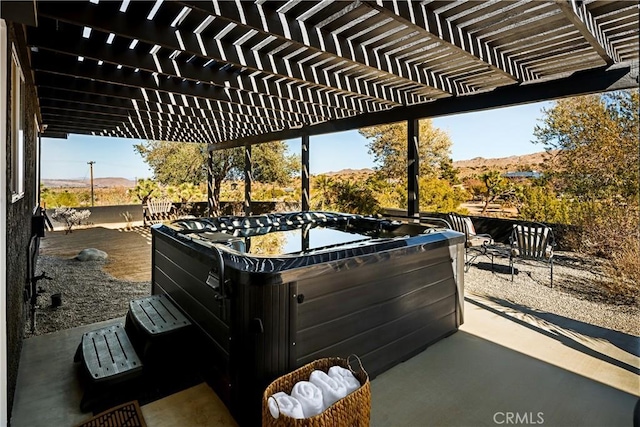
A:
[91,163]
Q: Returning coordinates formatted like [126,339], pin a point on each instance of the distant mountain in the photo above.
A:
[85,183]
[477,165]
[349,172]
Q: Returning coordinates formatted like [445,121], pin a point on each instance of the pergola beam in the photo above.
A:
[426,20]
[133,24]
[290,29]
[230,101]
[580,83]
[576,12]
[66,41]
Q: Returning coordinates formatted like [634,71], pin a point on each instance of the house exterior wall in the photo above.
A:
[3,226]
[18,212]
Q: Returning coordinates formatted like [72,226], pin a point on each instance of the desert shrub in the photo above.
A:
[388,194]
[353,197]
[475,187]
[611,230]
[543,205]
[70,217]
[624,267]
[437,195]
[57,198]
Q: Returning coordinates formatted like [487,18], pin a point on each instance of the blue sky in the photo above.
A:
[489,134]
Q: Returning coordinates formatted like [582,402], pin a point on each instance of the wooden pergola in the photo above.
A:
[237,73]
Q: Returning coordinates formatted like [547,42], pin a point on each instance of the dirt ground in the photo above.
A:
[493,210]
[129,251]
[91,291]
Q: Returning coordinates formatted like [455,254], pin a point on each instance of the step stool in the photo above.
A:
[108,358]
[114,356]
[156,327]
[108,355]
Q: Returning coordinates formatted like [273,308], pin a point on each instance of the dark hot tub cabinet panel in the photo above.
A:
[271,293]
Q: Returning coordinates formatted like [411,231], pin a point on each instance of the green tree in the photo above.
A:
[596,165]
[437,195]
[542,204]
[596,138]
[389,148]
[448,172]
[388,194]
[145,189]
[495,187]
[321,191]
[273,165]
[176,163]
[354,197]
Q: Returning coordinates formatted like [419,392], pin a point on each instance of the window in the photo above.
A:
[36,194]
[17,129]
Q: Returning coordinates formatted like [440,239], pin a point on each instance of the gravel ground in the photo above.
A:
[579,292]
[89,294]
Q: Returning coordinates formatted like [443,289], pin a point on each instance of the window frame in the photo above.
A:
[18,120]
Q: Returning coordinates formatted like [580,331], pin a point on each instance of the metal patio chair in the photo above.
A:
[532,241]
[476,243]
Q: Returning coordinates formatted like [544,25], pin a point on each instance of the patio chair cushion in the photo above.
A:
[470,228]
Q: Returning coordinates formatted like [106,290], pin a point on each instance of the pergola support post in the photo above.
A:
[211,207]
[305,173]
[248,179]
[413,168]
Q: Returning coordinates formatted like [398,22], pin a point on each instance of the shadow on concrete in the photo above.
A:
[465,380]
[568,331]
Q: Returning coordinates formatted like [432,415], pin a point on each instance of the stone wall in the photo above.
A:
[19,214]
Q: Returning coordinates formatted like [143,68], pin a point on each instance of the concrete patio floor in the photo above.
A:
[502,365]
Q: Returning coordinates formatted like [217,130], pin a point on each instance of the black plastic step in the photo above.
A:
[156,315]
[108,355]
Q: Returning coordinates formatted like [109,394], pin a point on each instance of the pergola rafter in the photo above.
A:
[134,25]
[428,21]
[92,94]
[230,101]
[583,20]
[286,26]
[147,115]
[67,40]
[233,73]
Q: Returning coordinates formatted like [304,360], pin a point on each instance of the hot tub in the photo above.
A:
[273,292]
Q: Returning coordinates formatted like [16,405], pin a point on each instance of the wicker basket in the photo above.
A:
[354,410]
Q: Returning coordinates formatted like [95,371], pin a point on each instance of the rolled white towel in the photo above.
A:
[332,390]
[345,376]
[286,405]
[310,398]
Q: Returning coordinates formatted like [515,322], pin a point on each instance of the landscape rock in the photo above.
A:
[91,254]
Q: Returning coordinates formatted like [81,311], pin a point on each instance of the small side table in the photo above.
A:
[496,250]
